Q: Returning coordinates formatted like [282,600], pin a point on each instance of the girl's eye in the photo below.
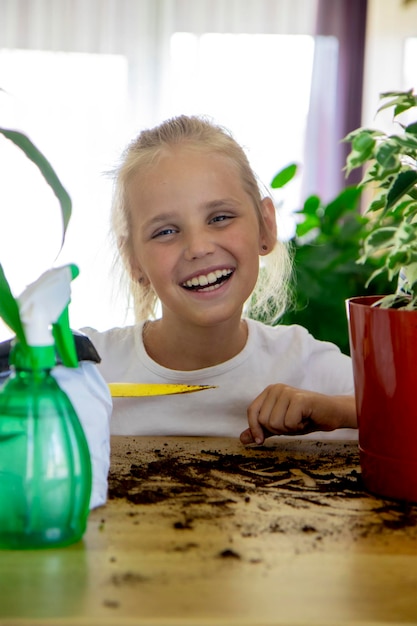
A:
[221,218]
[164,232]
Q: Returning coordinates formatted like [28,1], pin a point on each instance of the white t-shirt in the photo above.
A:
[280,354]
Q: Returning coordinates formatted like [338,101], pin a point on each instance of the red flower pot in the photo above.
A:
[383,346]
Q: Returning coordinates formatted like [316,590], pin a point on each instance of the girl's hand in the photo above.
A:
[284,410]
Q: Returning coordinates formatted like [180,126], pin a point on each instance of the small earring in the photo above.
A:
[264,247]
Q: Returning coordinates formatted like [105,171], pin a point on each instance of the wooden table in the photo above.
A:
[205,532]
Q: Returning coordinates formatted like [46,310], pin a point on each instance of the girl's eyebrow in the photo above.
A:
[212,205]
[158,219]
[218,204]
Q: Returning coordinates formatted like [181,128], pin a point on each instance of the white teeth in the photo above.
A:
[206,279]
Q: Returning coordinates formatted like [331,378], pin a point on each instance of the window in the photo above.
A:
[258,86]
[410,63]
[73,107]
[78,108]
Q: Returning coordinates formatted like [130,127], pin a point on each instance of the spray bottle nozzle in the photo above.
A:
[41,321]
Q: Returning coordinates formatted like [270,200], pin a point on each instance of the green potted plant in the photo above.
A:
[383,330]
[326,243]
[325,248]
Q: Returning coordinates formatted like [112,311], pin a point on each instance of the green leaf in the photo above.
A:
[402,107]
[394,300]
[394,94]
[360,131]
[284,176]
[372,174]
[411,273]
[406,141]
[354,160]
[413,193]
[387,156]
[364,143]
[380,237]
[33,154]
[374,274]
[311,222]
[9,310]
[346,201]
[405,234]
[377,204]
[311,205]
[405,208]
[411,128]
[402,184]
[400,100]
[397,259]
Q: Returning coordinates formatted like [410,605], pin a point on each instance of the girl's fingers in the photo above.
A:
[278,410]
[246,437]
[284,410]
[255,427]
[267,413]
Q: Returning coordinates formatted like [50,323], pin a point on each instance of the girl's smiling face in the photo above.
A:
[196,236]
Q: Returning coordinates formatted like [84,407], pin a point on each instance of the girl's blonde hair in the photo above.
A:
[269,298]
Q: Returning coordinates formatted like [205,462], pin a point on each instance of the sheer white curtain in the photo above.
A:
[98,72]
[141,30]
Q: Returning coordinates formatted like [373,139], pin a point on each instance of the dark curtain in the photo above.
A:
[336,106]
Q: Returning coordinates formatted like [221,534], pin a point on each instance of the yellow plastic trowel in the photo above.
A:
[137,390]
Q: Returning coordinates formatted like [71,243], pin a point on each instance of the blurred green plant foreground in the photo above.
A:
[326,245]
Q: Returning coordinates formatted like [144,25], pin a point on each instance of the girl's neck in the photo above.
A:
[192,348]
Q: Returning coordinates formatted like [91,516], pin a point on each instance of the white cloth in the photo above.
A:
[286,354]
[90,397]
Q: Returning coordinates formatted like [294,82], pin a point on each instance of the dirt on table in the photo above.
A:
[302,488]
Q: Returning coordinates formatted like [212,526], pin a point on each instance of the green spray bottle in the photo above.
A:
[45,465]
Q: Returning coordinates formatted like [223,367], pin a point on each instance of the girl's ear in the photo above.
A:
[268,231]
[135,272]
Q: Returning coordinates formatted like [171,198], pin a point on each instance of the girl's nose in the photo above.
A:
[197,245]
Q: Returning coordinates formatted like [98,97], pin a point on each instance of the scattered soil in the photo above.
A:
[238,474]
[314,496]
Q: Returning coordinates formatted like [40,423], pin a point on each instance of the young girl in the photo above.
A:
[191,226]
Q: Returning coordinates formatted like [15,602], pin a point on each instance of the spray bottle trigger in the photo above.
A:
[74,270]
[64,340]
[63,337]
